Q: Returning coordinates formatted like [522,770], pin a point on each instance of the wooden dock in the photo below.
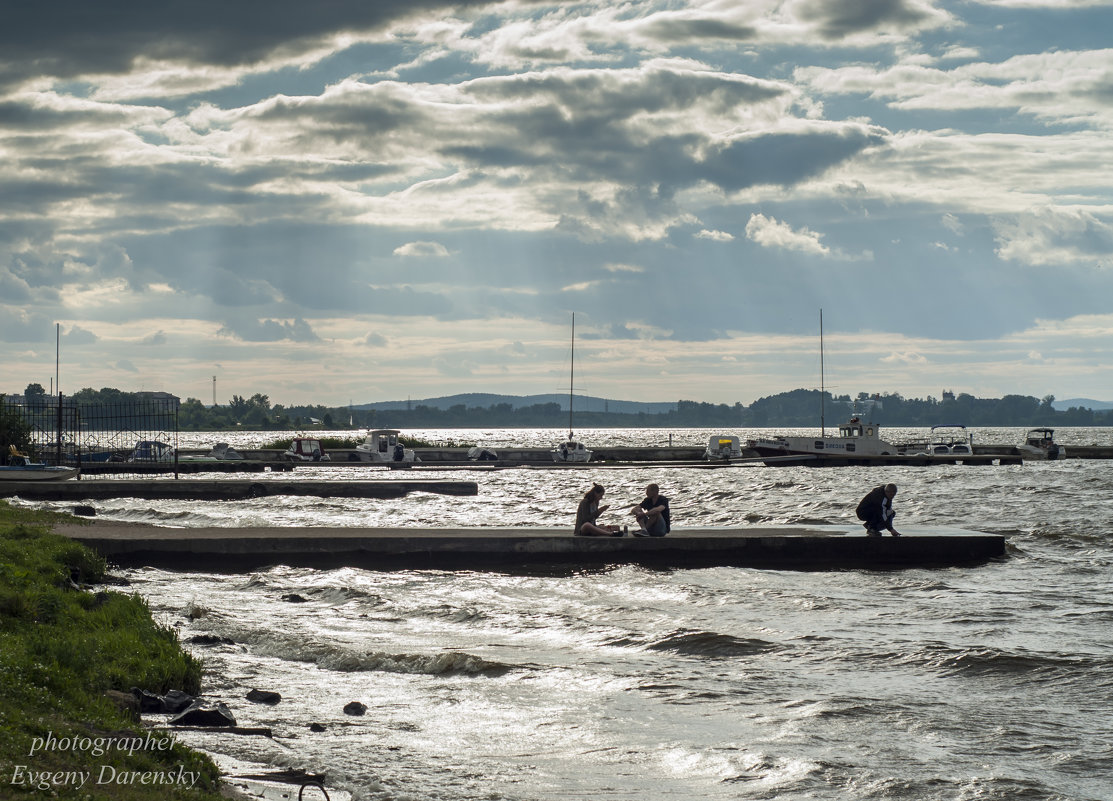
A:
[780,547]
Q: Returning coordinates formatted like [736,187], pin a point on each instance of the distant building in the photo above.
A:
[164,397]
[948,395]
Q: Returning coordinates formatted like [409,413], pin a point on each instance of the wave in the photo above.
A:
[689,642]
[346,661]
[988,661]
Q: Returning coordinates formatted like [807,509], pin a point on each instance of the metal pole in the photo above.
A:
[571,374]
[822,384]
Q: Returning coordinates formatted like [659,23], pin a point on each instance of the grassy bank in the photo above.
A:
[62,649]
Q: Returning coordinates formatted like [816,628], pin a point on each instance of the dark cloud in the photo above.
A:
[838,20]
[77,335]
[786,158]
[270,330]
[688,30]
[71,38]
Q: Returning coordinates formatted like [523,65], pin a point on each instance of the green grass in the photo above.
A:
[61,649]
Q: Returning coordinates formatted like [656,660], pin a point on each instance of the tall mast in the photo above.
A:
[571,375]
[822,388]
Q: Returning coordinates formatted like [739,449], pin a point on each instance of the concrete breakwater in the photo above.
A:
[233,490]
[782,547]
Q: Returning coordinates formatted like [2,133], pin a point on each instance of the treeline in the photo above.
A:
[798,408]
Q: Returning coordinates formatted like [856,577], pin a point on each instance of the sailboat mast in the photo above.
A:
[822,387]
[571,375]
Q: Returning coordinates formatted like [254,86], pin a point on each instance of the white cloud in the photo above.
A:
[425,249]
[771,233]
[905,358]
[715,236]
[1055,236]
[613,267]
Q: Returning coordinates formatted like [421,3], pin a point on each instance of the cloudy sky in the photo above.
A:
[351,201]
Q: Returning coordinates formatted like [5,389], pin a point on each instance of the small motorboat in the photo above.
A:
[21,468]
[383,445]
[221,452]
[1039,443]
[723,446]
[305,449]
[150,450]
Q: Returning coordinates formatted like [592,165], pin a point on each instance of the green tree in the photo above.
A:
[14,430]
[34,395]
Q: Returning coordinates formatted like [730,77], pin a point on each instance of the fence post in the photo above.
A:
[58,437]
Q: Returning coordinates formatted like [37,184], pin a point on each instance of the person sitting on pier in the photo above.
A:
[588,512]
[876,509]
[653,515]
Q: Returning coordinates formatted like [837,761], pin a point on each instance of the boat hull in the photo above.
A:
[37,473]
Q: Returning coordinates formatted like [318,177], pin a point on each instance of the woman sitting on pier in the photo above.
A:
[588,512]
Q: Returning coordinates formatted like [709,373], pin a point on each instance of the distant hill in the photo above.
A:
[484,400]
[1081,403]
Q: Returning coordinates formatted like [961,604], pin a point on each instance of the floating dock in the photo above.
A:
[781,547]
[226,490]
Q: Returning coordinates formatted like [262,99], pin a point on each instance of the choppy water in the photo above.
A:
[989,682]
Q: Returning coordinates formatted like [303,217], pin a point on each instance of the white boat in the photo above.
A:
[1039,443]
[571,451]
[149,450]
[855,438]
[723,446]
[221,452]
[950,439]
[21,468]
[305,449]
[382,445]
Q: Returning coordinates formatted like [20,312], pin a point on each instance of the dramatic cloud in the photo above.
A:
[413,197]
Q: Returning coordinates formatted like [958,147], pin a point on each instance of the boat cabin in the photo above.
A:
[306,449]
[383,445]
[1040,443]
[1040,437]
[148,450]
[723,446]
[855,428]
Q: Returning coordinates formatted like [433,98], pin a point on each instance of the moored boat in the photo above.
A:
[305,449]
[571,451]
[21,468]
[855,438]
[149,450]
[1039,443]
[723,446]
[383,445]
[950,439]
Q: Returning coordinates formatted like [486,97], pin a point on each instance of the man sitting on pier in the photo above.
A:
[876,509]
[653,514]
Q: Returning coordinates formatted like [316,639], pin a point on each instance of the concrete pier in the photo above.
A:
[783,547]
[230,490]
